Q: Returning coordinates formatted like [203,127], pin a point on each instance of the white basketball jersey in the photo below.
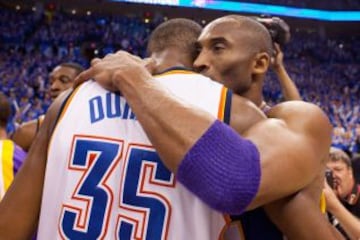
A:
[104,180]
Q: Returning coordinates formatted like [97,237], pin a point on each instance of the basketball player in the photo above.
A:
[11,155]
[218,56]
[289,147]
[104,179]
[61,79]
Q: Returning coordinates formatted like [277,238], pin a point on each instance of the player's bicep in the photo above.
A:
[286,157]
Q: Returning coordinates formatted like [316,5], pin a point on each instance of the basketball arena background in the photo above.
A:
[323,56]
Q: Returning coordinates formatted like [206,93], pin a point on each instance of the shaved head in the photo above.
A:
[235,51]
[254,34]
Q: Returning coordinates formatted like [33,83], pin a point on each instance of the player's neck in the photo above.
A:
[170,58]
[254,94]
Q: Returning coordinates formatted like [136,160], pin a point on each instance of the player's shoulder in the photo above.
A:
[302,116]
[296,109]
[244,113]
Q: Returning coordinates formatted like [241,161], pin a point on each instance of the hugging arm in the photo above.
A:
[20,207]
[281,149]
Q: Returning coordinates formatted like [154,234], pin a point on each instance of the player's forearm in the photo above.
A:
[171,125]
[349,222]
[19,210]
[189,141]
[210,159]
[289,216]
[288,87]
[19,218]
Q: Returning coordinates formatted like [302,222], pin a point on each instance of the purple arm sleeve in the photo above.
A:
[222,169]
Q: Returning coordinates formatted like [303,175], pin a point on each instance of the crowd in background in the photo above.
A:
[326,71]
[319,4]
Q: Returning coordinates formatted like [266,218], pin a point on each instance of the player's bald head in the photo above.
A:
[252,33]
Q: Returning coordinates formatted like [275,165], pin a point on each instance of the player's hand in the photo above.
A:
[111,70]
[81,78]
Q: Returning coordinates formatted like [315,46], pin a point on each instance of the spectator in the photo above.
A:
[343,201]
[11,155]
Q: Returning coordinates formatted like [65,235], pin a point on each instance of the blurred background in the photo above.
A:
[323,56]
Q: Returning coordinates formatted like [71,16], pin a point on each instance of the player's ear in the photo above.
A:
[261,63]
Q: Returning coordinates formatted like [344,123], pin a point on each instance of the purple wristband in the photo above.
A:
[222,169]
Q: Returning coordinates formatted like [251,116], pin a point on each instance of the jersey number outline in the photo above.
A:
[97,158]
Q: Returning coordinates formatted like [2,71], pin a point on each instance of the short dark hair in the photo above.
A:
[180,33]
[5,110]
[73,65]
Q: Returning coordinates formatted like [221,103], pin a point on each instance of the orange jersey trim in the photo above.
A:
[177,71]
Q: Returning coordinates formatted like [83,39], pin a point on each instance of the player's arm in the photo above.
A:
[299,216]
[20,207]
[24,135]
[292,148]
[299,219]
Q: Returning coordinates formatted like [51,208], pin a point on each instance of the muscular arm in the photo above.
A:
[292,146]
[25,134]
[299,219]
[289,148]
[299,216]
[20,208]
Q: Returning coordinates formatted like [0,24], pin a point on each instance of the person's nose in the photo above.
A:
[54,85]
[335,175]
[201,62]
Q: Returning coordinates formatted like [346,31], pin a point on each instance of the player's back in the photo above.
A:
[104,180]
